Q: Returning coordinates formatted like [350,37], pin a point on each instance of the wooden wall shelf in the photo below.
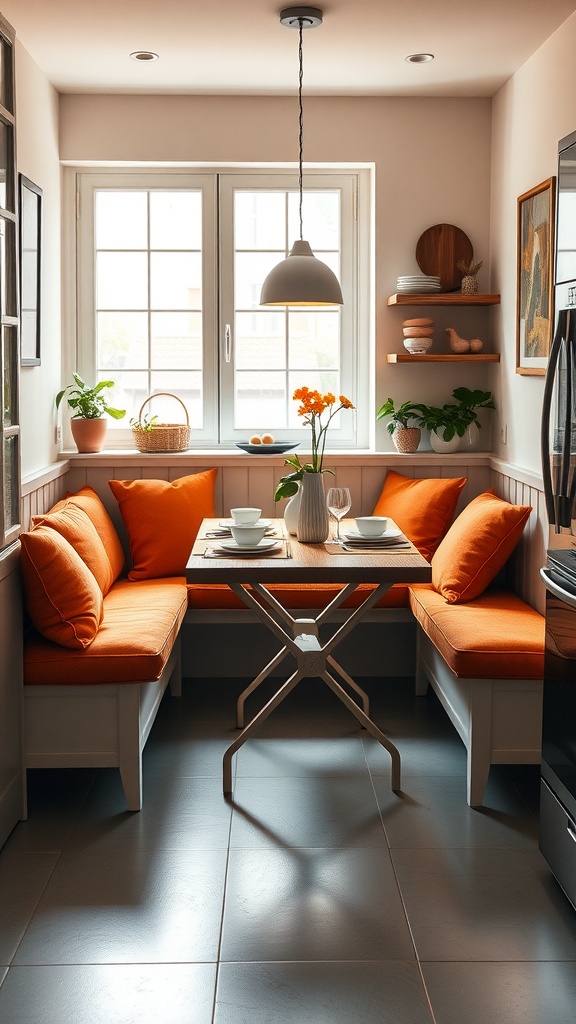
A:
[442,299]
[473,357]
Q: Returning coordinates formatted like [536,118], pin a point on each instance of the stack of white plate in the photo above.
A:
[418,283]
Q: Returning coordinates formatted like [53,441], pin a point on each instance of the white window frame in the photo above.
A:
[218,186]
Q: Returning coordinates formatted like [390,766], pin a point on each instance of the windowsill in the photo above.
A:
[226,456]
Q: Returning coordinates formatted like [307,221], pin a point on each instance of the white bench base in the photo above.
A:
[498,720]
[97,726]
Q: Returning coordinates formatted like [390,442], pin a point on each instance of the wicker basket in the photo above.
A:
[163,437]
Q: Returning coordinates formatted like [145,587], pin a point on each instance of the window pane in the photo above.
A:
[121,220]
[260,220]
[130,392]
[322,382]
[320,219]
[122,340]
[314,339]
[188,387]
[175,280]
[251,268]
[260,341]
[9,398]
[176,340]
[260,400]
[175,220]
[121,280]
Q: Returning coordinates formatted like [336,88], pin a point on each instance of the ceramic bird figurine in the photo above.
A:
[457,344]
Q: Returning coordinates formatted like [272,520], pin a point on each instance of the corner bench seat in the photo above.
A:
[485,661]
[94,707]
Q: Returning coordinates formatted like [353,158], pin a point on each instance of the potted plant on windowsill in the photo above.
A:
[469,401]
[446,423]
[88,421]
[404,425]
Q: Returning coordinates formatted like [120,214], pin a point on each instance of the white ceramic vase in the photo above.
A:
[292,512]
[440,445]
[313,520]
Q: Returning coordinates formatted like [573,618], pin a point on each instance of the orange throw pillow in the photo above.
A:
[77,528]
[476,547]
[162,519]
[62,596]
[422,508]
[88,500]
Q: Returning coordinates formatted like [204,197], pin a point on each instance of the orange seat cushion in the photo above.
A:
[294,595]
[62,596]
[78,529]
[477,546]
[423,509]
[496,636]
[90,503]
[140,624]
[162,518]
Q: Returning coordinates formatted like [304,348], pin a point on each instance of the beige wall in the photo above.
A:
[38,158]
[531,113]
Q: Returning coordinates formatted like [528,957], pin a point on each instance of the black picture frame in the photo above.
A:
[30,239]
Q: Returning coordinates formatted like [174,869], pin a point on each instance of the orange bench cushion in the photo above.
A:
[140,624]
[218,596]
[478,641]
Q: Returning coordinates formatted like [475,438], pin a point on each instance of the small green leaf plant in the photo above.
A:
[88,403]
[399,417]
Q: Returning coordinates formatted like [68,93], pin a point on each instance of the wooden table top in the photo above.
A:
[310,563]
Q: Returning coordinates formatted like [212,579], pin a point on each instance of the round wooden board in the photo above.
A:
[439,249]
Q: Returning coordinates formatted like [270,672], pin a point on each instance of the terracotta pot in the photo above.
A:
[89,435]
[406,439]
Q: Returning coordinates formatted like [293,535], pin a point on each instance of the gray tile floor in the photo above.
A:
[316,897]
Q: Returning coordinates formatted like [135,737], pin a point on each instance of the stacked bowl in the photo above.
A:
[418,334]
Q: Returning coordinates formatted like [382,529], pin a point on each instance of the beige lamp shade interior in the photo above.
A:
[301,280]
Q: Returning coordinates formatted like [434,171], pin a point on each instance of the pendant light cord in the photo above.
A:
[300,116]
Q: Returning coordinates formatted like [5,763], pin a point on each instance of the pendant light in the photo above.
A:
[301,279]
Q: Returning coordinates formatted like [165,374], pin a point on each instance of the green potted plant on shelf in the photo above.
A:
[403,424]
[90,407]
[449,423]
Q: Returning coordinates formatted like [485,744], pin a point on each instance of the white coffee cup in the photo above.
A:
[245,516]
[371,526]
[247,536]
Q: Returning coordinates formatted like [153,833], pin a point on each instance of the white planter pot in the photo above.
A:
[292,511]
[441,446]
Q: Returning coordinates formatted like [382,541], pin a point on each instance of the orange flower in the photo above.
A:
[312,406]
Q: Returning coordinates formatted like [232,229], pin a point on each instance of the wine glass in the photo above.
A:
[338,502]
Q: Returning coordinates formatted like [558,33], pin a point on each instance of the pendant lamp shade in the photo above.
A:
[301,280]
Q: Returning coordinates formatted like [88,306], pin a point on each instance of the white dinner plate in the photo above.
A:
[387,535]
[226,524]
[267,544]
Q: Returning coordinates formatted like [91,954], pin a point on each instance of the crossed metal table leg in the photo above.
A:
[312,659]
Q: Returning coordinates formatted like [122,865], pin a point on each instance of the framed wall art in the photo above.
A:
[30,270]
[534,278]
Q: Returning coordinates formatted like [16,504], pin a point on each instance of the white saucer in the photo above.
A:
[226,524]
[265,545]
[386,535]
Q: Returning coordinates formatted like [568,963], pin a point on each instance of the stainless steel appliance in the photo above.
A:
[558,781]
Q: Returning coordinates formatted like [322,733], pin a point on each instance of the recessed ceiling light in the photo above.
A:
[419,58]
[144,55]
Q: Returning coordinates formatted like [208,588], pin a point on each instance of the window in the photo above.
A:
[169,270]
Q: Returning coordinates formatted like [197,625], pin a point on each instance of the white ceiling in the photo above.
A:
[224,46]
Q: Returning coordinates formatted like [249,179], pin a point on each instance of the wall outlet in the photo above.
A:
[503,433]
[57,434]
